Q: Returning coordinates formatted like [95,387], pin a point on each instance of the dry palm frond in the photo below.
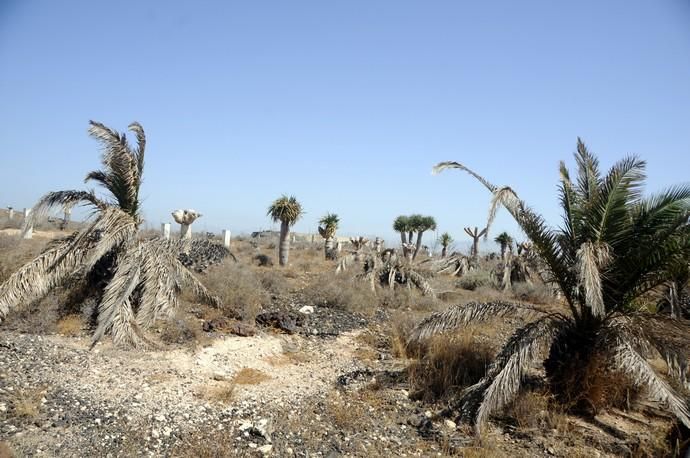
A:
[459,316]
[504,378]
[632,363]
[591,259]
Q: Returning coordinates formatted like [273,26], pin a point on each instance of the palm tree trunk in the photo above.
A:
[410,236]
[328,250]
[443,251]
[503,251]
[475,247]
[284,246]
[419,244]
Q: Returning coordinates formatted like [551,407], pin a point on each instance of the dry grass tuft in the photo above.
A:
[70,325]
[534,410]
[536,293]
[26,403]
[249,376]
[448,363]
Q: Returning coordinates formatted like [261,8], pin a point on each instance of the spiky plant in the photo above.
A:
[140,278]
[327,227]
[505,241]
[445,241]
[286,210]
[422,224]
[614,246]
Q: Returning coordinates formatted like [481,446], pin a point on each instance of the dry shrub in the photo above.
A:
[449,362]
[26,403]
[70,325]
[406,299]
[249,376]
[239,289]
[400,326]
[274,281]
[475,279]
[182,330]
[535,410]
[535,293]
[341,292]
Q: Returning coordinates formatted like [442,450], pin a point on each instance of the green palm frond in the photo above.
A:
[285,209]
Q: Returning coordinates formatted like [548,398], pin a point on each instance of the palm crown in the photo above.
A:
[614,245]
[145,275]
[328,225]
[285,210]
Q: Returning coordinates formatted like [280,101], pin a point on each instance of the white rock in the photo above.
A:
[266,449]
[450,424]
[307,310]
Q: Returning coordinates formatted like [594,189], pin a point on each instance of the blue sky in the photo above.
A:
[346,105]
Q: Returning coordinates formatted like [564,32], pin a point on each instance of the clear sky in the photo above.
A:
[346,105]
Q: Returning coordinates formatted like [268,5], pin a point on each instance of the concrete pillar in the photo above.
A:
[185,231]
[10,212]
[226,238]
[30,229]
[165,229]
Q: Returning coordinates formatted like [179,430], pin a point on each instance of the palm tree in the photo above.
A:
[476,234]
[506,242]
[445,240]
[327,227]
[422,224]
[139,278]
[613,247]
[286,210]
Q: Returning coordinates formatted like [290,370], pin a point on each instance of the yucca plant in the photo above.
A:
[445,240]
[613,247]
[327,227]
[402,225]
[286,210]
[140,279]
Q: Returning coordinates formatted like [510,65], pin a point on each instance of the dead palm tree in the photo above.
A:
[287,211]
[476,234]
[327,227]
[445,240]
[505,241]
[614,246]
[422,224]
[140,278]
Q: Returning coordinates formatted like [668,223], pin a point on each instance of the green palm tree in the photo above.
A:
[422,224]
[140,278]
[287,211]
[613,247]
[445,240]
[505,241]
[327,227]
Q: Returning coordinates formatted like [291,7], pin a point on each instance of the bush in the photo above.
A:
[536,293]
[341,292]
[240,290]
[475,279]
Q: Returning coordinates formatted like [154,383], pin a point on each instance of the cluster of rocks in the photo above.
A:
[204,253]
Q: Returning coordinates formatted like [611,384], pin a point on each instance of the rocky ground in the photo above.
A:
[272,394]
